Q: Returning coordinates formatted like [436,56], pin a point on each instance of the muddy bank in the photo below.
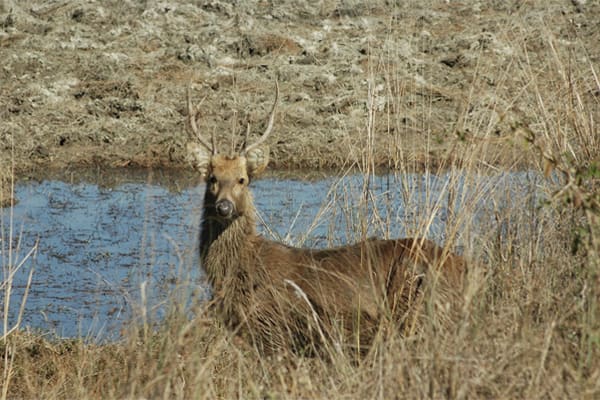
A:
[103,83]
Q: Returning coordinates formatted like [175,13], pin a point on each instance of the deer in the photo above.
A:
[281,297]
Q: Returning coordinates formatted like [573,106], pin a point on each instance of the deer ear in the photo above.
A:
[257,160]
[198,157]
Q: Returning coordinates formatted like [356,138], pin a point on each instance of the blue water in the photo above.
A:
[109,248]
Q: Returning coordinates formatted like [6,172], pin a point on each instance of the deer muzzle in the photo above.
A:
[224,208]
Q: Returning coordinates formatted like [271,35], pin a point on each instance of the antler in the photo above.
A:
[193,115]
[265,135]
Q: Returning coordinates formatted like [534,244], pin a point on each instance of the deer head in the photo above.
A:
[228,175]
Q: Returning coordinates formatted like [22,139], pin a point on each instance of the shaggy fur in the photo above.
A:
[280,296]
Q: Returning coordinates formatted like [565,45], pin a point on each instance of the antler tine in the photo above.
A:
[265,135]
[193,115]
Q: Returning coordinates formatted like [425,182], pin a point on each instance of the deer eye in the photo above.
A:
[212,179]
[242,181]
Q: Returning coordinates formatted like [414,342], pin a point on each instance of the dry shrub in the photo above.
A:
[527,323]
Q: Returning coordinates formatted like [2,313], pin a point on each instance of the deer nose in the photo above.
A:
[224,208]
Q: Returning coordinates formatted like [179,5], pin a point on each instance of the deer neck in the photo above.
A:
[225,244]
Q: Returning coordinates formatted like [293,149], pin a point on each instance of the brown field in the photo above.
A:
[481,87]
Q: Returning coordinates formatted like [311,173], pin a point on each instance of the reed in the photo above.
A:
[13,260]
[528,320]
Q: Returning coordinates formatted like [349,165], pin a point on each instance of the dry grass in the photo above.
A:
[89,83]
[529,321]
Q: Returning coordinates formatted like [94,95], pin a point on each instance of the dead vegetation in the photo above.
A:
[90,83]
[475,86]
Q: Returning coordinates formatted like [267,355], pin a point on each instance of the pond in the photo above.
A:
[101,247]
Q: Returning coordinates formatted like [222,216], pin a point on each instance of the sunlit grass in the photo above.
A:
[13,259]
[528,320]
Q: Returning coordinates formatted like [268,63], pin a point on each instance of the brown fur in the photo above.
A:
[281,296]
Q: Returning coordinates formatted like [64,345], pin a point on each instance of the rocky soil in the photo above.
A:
[89,82]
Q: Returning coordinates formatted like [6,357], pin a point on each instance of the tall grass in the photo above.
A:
[528,321]
[13,260]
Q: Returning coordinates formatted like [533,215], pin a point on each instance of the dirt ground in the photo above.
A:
[103,82]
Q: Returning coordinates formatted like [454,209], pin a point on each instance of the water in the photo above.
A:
[112,245]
